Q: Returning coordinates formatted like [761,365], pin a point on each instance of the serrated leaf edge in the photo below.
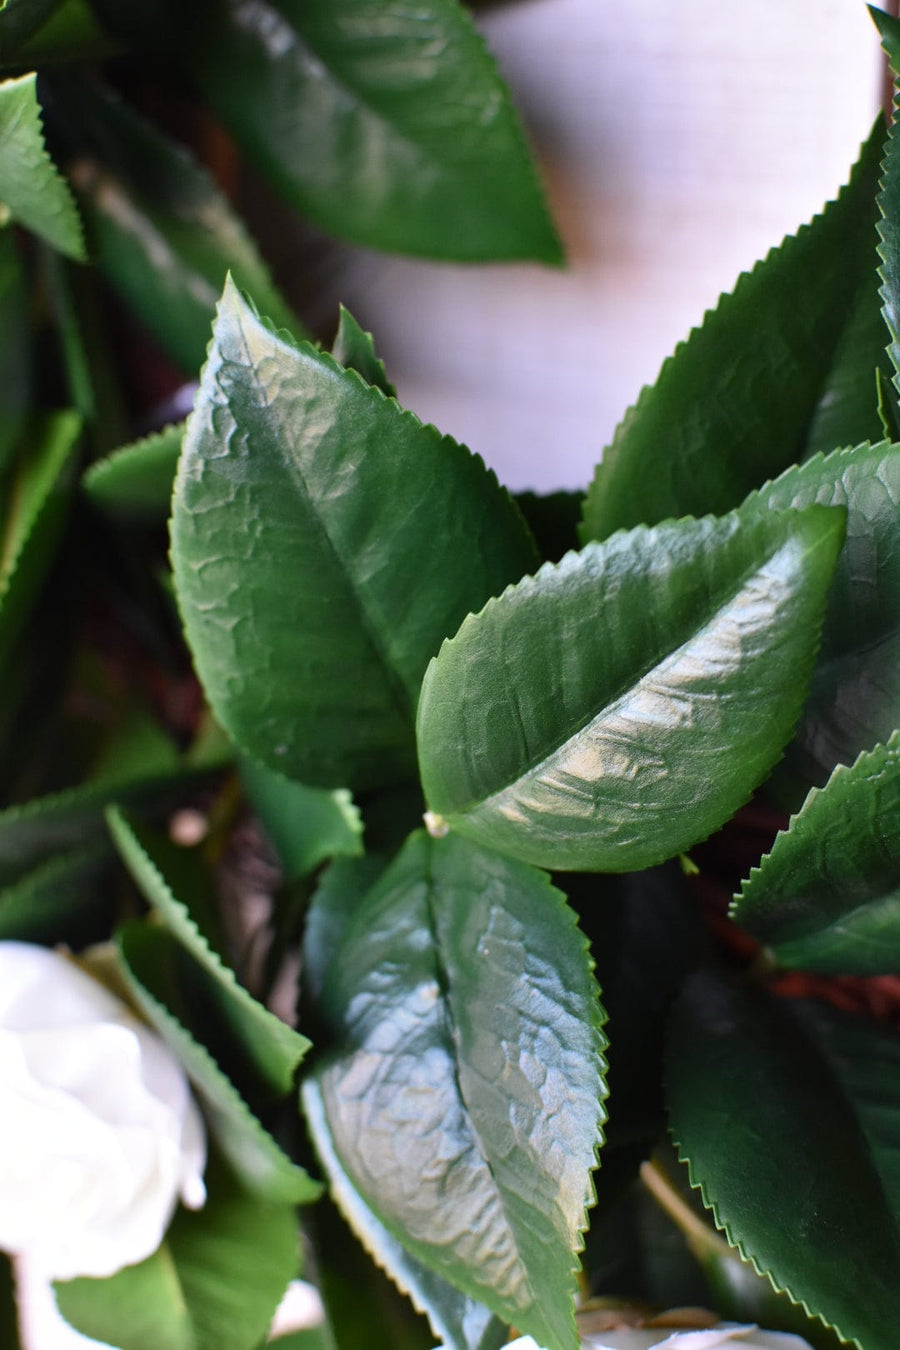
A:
[66,194]
[97,473]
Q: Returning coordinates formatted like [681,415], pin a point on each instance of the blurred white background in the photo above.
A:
[679,139]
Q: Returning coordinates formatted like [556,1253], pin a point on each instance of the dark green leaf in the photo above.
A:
[160,228]
[395,132]
[306,825]
[19,20]
[338,896]
[274,1048]
[323,543]
[733,406]
[464,1000]
[889,206]
[16,373]
[151,968]
[827,896]
[355,349]
[57,900]
[460,1322]
[214,1284]
[71,33]
[135,481]
[31,187]
[616,708]
[780,1153]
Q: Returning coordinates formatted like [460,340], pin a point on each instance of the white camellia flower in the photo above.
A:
[100,1134]
[729,1335]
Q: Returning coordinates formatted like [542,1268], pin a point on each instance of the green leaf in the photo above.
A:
[355,349]
[16,343]
[306,825]
[158,867]
[323,543]
[619,706]
[458,1321]
[854,695]
[135,481]
[214,1284]
[889,30]
[38,500]
[733,406]
[151,969]
[20,20]
[466,1008]
[59,900]
[827,896]
[160,228]
[397,135]
[889,206]
[780,1153]
[338,896]
[31,187]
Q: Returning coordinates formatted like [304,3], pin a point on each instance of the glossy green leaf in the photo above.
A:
[854,695]
[151,969]
[733,406]
[306,825]
[135,481]
[37,503]
[159,227]
[323,543]
[31,187]
[396,134]
[274,1048]
[16,343]
[563,722]
[354,348]
[458,1321]
[827,896]
[59,900]
[463,999]
[213,1284]
[780,1151]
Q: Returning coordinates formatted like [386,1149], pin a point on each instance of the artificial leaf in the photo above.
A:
[16,372]
[398,135]
[213,1284]
[781,1154]
[458,1321]
[827,896]
[733,406]
[158,867]
[355,349]
[889,206]
[323,543]
[135,481]
[306,825]
[38,499]
[150,968]
[160,228]
[59,900]
[564,723]
[31,187]
[340,893]
[854,694]
[465,1007]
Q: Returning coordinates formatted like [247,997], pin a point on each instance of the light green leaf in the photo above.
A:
[306,825]
[781,1152]
[394,134]
[459,1322]
[323,543]
[31,187]
[135,481]
[465,1009]
[733,406]
[827,896]
[616,708]
[160,984]
[355,349]
[161,871]
[213,1284]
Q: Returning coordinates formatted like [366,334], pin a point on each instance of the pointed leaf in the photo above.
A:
[323,543]
[31,187]
[780,1154]
[397,135]
[458,1321]
[135,481]
[467,1012]
[213,1284]
[355,349]
[274,1049]
[149,958]
[854,696]
[827,896]
[733,405]
[306,825]
[562,723]
[889,206]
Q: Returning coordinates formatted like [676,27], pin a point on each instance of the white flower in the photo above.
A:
[727,1334]
[99,1133]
